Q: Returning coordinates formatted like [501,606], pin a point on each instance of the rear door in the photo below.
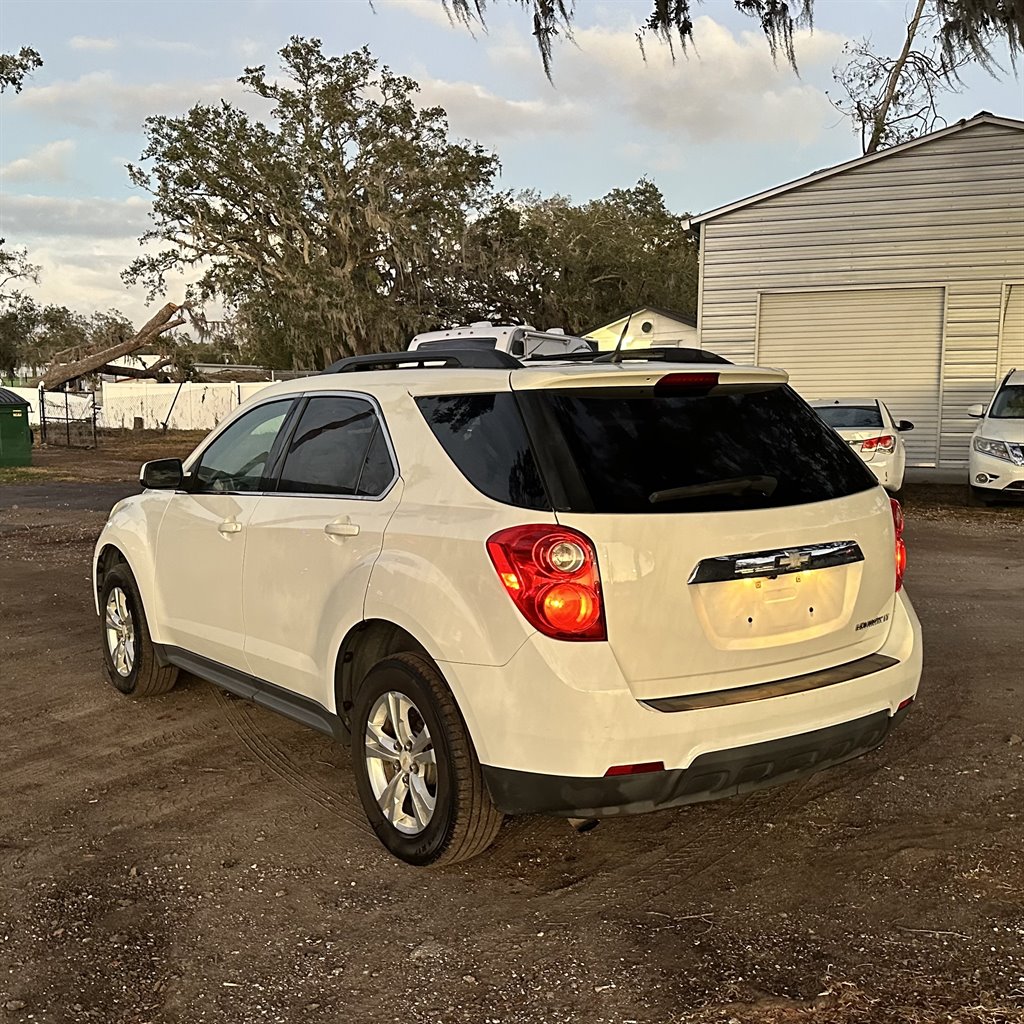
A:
[313,539]
[739,539]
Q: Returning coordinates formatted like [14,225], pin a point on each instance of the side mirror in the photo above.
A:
[162,475]
[976,411]
[904,425]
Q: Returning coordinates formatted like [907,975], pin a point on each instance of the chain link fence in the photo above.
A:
[67,419]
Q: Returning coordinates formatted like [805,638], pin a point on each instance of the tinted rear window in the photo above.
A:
[485,437]
[851,417]
[630,451]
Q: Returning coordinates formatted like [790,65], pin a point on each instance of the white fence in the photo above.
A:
[78,406]
[182,407]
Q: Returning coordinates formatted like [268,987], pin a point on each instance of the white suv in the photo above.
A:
[580,589]
[996,461]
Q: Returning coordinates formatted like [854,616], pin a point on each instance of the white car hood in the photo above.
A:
[1011,430]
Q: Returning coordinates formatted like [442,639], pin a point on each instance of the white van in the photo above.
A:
[522,341]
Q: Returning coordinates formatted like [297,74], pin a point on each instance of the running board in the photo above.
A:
[300,709]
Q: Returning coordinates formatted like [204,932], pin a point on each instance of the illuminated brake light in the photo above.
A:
[901,548]
[551,574]
[686,382]
[885,443]
[635,769]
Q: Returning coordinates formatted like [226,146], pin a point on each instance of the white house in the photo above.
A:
[648,327]
[898,275]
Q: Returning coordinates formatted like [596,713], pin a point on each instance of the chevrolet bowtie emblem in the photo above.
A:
[793,560]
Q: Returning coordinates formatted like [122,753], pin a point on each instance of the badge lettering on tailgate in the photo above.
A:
[873,622]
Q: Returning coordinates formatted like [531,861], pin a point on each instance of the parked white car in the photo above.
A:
[996,461]
[579,589]
[870,430]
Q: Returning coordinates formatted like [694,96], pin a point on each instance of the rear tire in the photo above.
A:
[128,653]
[416,770]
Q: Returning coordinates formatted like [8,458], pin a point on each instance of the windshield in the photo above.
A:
[1008,403]
[850,417]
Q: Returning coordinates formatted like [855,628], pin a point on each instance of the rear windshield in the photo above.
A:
[634,451]
[631,451]
[850,417]
[1009,403]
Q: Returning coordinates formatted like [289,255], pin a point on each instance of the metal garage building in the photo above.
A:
[899,274]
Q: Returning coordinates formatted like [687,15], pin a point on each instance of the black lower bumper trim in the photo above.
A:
[717,774]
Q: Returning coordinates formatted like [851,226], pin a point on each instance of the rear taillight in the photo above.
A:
[885,443]
[901,548]
[551,574]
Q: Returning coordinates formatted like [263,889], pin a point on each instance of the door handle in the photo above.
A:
[230,527]
[341,530]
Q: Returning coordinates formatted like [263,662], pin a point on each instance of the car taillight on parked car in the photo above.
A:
[901,548]
[551,574]
[885,443]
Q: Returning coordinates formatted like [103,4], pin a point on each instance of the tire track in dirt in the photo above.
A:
[271,755]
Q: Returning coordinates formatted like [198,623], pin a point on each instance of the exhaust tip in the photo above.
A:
[583,825]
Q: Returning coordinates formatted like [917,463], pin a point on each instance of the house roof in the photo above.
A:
[984,117]
[672,314]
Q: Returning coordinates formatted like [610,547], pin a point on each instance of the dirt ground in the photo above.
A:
[194,858]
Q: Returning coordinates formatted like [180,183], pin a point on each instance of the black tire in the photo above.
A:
[464,821]
[979,497]
[146,677]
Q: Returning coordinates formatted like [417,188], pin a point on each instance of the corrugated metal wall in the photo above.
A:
[947,213]
[810,333]
[1011,343]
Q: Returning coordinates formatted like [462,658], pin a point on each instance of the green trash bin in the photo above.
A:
[15,434]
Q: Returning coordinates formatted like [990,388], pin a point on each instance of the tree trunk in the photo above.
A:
[56,376]
[894,80]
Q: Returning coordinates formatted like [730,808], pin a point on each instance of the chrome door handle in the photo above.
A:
[341,530]
[230,527]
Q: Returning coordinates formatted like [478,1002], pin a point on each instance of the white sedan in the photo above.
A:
[870,430]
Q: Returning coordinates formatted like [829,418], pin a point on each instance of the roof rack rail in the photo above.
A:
[467,359]
[666,355]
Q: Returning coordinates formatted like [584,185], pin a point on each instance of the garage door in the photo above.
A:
[1011,342]
[879,343]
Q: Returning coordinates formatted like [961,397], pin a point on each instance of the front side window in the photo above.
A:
[1009,403]
[236,460]
[338,447]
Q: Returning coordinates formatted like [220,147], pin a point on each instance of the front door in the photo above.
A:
[202,537]
[313,541]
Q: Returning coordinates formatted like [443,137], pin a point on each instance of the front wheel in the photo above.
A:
[128,653]
[416,770]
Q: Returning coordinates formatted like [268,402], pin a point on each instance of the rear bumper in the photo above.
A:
[564,710]
[712,776]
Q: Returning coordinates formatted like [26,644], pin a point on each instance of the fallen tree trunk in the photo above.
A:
[165,320]
[137,372]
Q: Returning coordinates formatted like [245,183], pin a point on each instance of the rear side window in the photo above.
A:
[485,437]
[850,417]
[338,447]
[633,451]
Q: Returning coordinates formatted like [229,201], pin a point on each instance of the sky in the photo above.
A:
[710,127]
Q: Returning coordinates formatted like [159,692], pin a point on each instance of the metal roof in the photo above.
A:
[10,398]
[984,117]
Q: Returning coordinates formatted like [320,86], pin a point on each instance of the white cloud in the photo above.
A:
[478,114]
[26,217]
[46,163]
[427,10]
[101,100]
[727,87]
[92,43]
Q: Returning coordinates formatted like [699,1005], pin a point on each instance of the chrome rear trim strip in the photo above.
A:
[779,688]
[779,562]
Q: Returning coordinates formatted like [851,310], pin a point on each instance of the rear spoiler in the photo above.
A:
[537,378]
